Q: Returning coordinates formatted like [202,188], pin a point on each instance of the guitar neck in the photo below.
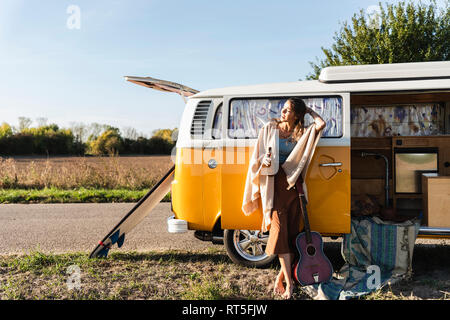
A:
[306,221]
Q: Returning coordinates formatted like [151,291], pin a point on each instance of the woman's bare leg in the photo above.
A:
[278,287]
[286,265]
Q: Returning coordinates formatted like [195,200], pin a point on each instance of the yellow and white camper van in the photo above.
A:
[387,139]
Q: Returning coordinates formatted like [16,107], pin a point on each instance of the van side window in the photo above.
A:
[419,119]
[217,124]
[248,116]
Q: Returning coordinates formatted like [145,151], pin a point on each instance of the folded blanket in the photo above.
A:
[376,253]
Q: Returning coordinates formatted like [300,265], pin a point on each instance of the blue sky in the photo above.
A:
[77,75]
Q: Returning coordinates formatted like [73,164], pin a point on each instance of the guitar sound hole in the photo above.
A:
[310,250]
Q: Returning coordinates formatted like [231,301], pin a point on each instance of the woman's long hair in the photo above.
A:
[299,108]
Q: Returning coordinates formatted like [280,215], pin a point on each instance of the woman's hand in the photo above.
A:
[267,161]
[319,122]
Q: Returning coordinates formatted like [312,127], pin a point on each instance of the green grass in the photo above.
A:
[81,195]
[152,275]
[164,275]
[37,262]
[207,288]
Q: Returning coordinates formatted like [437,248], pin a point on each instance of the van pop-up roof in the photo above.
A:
[356,79]
[386,72]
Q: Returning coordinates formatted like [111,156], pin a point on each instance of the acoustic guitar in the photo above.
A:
[313,265]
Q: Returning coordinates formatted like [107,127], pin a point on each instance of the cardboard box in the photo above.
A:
[436,200]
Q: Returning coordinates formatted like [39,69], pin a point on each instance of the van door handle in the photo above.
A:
[331,164]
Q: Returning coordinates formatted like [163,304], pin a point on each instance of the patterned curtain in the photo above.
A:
[404,120]
[248,116]
[330,109]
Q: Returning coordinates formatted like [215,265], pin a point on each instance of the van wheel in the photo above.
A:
[246,247]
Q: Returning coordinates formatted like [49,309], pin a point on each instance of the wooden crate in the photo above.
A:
[436,200]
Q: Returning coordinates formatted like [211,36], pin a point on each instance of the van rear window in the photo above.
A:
[420,119]
[248,116]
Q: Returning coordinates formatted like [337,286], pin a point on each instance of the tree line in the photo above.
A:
[391,33]
[80,139]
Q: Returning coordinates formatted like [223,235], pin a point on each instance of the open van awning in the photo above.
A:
[163,85]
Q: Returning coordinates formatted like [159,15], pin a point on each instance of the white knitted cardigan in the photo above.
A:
[259,184]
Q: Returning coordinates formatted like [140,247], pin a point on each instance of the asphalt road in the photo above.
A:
[61,228]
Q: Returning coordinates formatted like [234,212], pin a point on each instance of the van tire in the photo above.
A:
[254,241]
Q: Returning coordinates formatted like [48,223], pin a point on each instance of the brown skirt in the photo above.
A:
[286,217]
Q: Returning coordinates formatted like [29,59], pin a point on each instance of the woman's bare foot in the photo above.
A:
[288,292]
[279,287]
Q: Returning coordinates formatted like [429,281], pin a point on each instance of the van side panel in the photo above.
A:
[187,187]
[328,192]
[234,173]
[212,187]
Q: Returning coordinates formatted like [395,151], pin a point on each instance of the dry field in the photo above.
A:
[124,172]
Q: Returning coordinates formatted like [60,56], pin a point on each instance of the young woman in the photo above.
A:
[286,212]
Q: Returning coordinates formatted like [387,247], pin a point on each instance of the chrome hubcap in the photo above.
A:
[250,244]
